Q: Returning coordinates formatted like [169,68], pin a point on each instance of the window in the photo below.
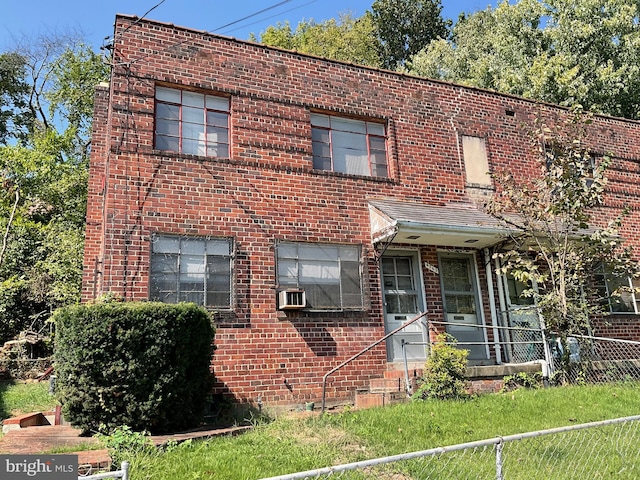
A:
[329,274]
[476,164]
[195,270]
[617,293]
[349,146]
[191,122]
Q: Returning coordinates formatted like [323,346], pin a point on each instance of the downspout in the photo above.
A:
[492,306]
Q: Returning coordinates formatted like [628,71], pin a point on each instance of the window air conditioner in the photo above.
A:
[290,299]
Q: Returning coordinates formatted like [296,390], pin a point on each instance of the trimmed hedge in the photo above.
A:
[141,364]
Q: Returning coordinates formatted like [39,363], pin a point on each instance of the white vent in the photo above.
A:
[289,299]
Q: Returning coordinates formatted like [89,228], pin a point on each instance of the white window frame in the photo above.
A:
[608,284]
[191,269]
[347,145]
[330,274]
[192,123]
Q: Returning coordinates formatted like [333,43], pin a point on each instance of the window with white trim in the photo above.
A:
[617,294]
[192,122]
[349,146]
[191,269]
[330,275]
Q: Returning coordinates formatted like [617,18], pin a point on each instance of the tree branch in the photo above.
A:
[5,238]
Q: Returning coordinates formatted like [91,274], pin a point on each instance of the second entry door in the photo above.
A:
[461,303]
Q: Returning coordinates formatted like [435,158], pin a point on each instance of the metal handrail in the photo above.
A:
[362,352]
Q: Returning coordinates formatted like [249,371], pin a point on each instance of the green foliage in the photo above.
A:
[15,117]
[17,398]
[557,51]
[75,75]
[444,375]
[556,247]
[123,443]
[297,444]
[144,365]
[348,39]
[405,27]
[47,103]
[522,380]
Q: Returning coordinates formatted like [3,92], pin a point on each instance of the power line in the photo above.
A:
[253,14]
[270,17]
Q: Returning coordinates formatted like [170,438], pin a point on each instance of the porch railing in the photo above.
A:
[362,352]
[588,359]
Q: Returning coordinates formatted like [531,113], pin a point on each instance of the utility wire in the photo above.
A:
[253,14]
[268,18]
[276,5]
[143,16]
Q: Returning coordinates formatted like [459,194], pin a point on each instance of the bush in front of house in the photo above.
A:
[141,364]
[445,371]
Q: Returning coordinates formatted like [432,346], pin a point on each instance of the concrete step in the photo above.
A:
[378,399]
[385,385]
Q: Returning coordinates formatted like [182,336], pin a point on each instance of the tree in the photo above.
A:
[557,51]
[405,27]
[14,116]
[556,246]
[44,180]
[348,39]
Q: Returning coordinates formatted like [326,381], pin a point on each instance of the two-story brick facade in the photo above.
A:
[313,205]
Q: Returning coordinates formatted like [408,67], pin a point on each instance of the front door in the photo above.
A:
[403,300]
[462,308]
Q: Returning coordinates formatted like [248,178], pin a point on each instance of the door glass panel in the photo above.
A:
[399,285]
[403,301]
[515,288]
[456,275]
[464,304]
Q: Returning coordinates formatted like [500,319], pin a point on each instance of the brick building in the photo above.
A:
[292,194]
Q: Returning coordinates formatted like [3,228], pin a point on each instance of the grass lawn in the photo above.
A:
[295,443]
[24,397]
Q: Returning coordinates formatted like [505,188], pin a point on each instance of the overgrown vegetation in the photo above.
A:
[140,364]
[557,248]
[293,443]
[522,380]
[444,372]
[46,104]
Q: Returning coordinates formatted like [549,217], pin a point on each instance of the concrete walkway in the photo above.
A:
[35,440]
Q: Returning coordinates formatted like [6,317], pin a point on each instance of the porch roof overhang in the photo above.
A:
[460,225]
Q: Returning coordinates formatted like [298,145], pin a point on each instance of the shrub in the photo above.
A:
[122,443]
[522,380]
[445,371]
[140,364]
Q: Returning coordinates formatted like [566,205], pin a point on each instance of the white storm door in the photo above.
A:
[403,300]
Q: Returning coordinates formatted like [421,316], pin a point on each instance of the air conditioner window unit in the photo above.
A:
[290,299]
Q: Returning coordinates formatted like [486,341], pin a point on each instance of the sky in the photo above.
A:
[235,18]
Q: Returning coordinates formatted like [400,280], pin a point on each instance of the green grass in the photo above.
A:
[291,444]
[20,397]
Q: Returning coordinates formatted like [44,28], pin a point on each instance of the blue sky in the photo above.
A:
[28,18]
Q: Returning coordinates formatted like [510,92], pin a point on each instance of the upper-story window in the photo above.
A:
[192,122]
[191,269]
[349,146]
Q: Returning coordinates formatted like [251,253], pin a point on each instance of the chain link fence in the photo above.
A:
[576,359]
[607,449]
[589,359]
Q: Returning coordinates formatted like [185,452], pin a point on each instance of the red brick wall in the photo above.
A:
[268,191]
